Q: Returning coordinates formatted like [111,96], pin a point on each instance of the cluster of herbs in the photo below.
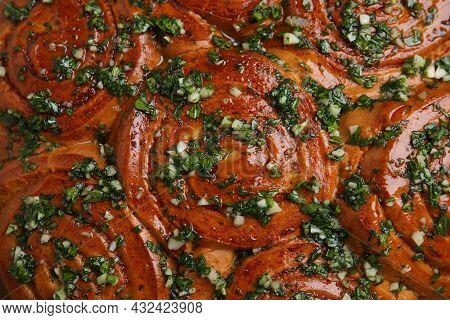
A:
[324,228]
[23,266]
[362,291]
[95,16]
[99,266]
[41,102]
[395,88]
[64,249]
[265,286]
[179,164]
[379,140]
[64,67]
[300,40]
[356,191]
[148,107]
[369,39]
[18,14]
[415,65]
[178,87]
[285,100]
[112,78]
[260,207]
[39,213]
[162,25]
[331,103]
[35,213]
[241,130]
[263,11]
[386,227]
[107,186]
[200,266]
[429,144]
[355,72]
[197,155]
[444,63]
[29,129]
[180,286]
[333,256]
[255,42]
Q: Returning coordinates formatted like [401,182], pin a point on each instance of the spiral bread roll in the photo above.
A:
[404,219]
[375,32]
[224,149]
[252,147]
[74,255]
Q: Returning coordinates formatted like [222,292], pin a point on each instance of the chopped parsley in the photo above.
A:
[18,14]
[395,88]
[180,286]
[285,102]
[197,265]
[108,186]
[261,207]
[64,248]
[324,46]
[162,25]
[173,84]
[243,131]
[36,213]
[325,228]
[112,78]
[263,11]
[23,266]
[30,129]
[171,173]
[331,103]
[415,65]
[168,25]
[255,43]
[142,104]
[355,71]
[95,15]
[369,39]
[187,234]
[221,43]
[442,223]
[64,67]
[362,291]
[380,139]
[428,144]
[444,63]
[356,191]
[265,285]
[215,57]
[102,266]
[41,102]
